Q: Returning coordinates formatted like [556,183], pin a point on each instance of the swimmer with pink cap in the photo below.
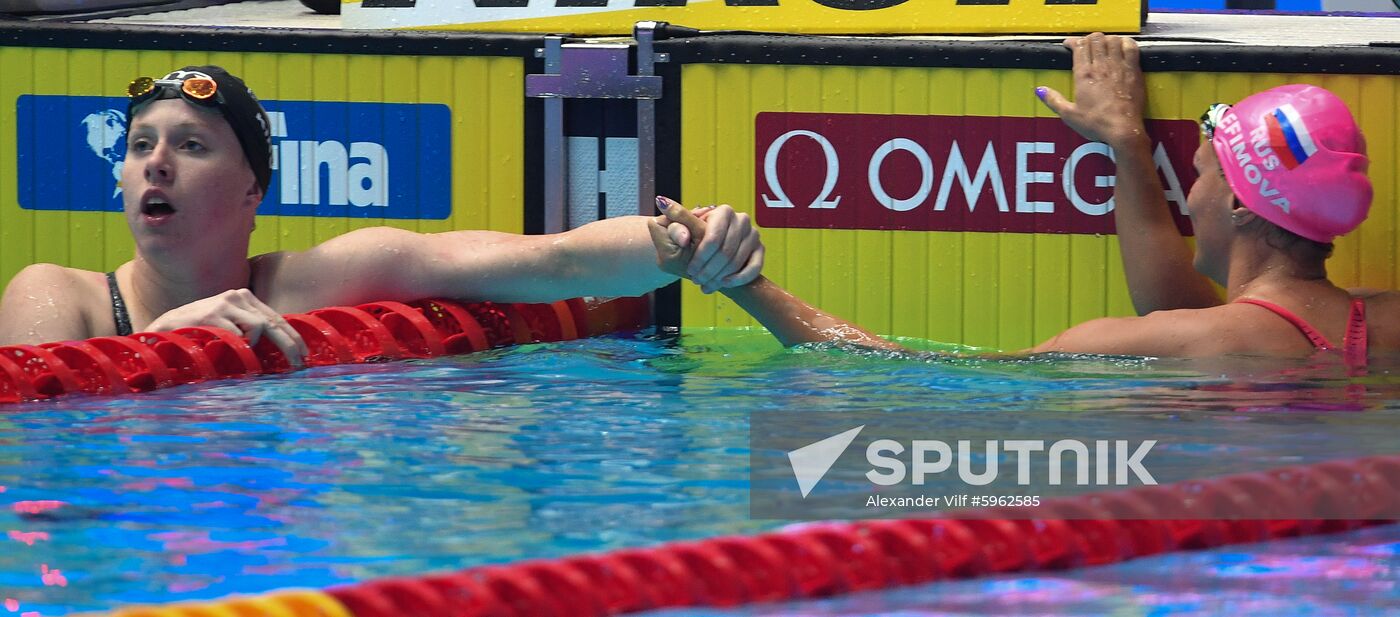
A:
[1281,174]
[1294,156]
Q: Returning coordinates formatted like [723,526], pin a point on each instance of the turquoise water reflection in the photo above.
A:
[346,473]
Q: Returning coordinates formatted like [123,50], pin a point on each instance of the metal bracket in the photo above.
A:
[596,71]
[593,71]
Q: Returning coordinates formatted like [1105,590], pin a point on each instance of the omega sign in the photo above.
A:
[949,173]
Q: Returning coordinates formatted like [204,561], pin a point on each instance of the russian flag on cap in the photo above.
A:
[1289,136]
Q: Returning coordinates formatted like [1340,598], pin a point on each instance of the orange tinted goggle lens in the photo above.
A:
[197,88]
[200,88]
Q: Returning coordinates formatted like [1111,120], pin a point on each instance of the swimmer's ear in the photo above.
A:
[1239,215]
[255,193]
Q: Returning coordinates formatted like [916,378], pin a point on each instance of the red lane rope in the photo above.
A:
[822,559]
[334,335]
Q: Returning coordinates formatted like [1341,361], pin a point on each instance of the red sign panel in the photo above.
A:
[949,173]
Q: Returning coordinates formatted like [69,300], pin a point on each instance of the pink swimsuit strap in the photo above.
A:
[1353,346]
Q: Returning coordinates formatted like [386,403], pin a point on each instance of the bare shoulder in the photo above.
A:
[40,274]
[1180,333]
[61,282]
[49,302]
[1378,300]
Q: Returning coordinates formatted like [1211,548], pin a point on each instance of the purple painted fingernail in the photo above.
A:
[1040,92]
[660,202]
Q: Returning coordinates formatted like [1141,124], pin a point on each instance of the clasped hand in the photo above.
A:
[714,247]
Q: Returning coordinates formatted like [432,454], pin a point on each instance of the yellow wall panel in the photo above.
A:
[502,108]
[484,96]
[16,226]
[805,259]
[1016,309]
[838,248]
[1003,290]
[366,90]
[117,71]
[51,237]
[292,85]
[1376,238]
[874,92]
[910,256]
[328,77]
[946,94]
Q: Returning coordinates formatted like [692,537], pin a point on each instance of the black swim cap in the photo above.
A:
[239,106]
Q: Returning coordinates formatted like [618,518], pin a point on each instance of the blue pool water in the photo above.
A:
[341,474]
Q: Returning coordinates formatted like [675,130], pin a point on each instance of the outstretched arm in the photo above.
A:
[791,320]
[612,257]
[1109,108]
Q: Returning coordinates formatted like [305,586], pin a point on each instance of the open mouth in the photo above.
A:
[157,207]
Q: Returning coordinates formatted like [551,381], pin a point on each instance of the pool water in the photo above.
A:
[341,474]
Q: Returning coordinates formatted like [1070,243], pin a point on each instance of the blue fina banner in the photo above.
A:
[330,159]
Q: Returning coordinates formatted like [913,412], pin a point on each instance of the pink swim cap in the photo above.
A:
[1294,155]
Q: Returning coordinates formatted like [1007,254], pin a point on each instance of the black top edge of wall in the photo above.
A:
[1047,54]
[274,40]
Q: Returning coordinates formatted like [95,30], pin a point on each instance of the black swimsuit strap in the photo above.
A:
[119,313]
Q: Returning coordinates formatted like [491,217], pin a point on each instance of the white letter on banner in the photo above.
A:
[925,171]
[1023,177]
[1173,190]
[972,188]
[332,154]
[289,162]
[770,172]
[1072,193]
[376,171]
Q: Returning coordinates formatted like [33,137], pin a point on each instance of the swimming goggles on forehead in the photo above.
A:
[194,87]
[1211,119]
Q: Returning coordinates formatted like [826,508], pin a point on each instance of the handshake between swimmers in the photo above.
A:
[198,164]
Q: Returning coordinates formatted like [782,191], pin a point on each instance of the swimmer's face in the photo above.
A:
[186,182]
[1209,204]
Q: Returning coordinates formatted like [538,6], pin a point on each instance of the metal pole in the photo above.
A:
[556,159]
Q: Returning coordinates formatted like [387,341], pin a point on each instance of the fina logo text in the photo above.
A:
[357,175]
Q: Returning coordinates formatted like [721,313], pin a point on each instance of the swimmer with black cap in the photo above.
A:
[197,165]
[1264,216]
